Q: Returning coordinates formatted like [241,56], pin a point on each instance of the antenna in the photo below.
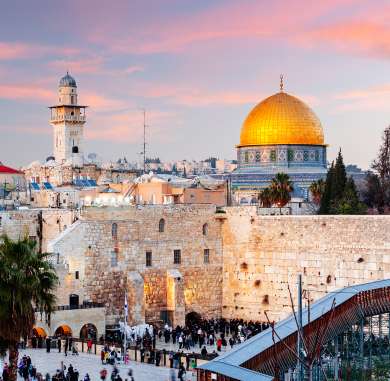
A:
[144,145]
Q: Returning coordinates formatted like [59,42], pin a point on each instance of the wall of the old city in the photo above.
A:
[262,255]
[91,246]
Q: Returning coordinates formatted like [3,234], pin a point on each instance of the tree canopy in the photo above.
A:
[340,195]
[27,283]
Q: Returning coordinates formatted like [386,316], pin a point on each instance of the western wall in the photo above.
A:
[251,258]
[262,255]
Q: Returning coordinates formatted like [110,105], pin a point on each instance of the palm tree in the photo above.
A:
[27,283]
[281,188]
[317,189]
[265,198]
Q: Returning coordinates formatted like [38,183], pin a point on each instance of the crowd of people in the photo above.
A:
[197,335]
[218,333]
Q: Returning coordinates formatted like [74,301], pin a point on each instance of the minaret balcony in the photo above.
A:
[67,118]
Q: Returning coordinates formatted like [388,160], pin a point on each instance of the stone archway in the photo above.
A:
[39,332]
[63,330]
[193,318]
[88,331]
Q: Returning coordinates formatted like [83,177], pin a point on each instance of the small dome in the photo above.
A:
[281,119]
[67,80]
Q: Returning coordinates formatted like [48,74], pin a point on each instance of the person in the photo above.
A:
[103,374]
[59,344]
[66,343]
[102,356]
[203,352]
[87,378]
[182,372]
[158,358]
[89,345]
[48,344]
[219,345]
[130,374]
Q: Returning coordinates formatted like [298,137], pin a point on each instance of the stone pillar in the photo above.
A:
[175,296]
[135,298]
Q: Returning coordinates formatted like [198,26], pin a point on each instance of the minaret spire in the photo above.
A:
[281,83]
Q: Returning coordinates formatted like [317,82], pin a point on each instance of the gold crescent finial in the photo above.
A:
[281,82]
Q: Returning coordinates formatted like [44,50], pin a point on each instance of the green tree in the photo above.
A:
[377,194]
[327,195]
[317,189]
[349,203]
[339,179]
[27,282]
[265,198]
[281,188]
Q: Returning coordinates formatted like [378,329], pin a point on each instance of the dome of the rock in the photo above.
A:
[281,119]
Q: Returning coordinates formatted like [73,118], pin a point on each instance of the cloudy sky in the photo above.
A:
[197,67]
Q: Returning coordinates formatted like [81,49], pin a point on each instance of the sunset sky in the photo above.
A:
[197,67]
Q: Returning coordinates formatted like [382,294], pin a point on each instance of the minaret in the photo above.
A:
[67,119]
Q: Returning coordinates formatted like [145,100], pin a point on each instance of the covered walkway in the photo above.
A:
[266,354]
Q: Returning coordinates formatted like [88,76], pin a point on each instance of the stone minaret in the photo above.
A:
[67,119]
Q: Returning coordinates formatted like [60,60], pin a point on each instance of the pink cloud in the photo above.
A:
[87,65]
[32,92]
[127,126]
[101,103]
[231,20]
[19,50]
[375,98]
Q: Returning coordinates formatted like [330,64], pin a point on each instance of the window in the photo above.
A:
[205,229]
[176,257]
[77,275]
[114,230]
[71,99]
[148,259]
[161,225]
[206,256]
[114,258]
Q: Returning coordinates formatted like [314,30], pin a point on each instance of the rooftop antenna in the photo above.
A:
[281,82]
[144,145]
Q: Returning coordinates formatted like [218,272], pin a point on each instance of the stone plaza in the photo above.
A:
[91,364]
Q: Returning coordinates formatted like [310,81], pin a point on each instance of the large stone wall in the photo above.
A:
[262,255]
[253,258]
[38,224]
[90,246]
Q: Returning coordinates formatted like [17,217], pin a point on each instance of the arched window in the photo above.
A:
[114,230]
[205,229]
[161,225]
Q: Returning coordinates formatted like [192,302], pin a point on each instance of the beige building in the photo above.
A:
[155,189]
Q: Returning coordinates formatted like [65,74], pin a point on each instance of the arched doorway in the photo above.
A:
[88,331]
[193,319]
[63,330]
[39,332]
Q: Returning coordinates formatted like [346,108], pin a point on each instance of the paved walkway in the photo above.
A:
[91,364]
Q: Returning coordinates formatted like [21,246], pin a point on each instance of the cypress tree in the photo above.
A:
[327,196]
[349,202]
[339,178]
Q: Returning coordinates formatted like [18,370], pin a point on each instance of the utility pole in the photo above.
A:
[299,343]
[144,150]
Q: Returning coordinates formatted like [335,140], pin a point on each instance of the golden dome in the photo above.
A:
[281,119]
